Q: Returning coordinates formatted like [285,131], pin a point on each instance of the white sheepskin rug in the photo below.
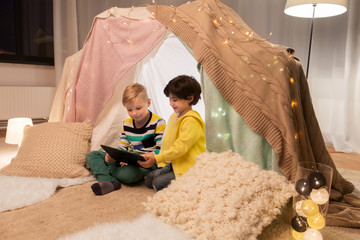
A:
[146,227]
[17,192]
[222,197]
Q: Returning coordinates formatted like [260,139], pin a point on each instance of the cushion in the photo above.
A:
[222,197]
[52,150]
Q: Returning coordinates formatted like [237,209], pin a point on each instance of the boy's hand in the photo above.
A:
[149,160]
[109,159]
[122,164]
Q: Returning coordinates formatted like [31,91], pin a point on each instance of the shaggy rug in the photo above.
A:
[25,191]
[146,226]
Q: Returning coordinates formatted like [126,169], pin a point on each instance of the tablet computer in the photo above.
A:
[123,156]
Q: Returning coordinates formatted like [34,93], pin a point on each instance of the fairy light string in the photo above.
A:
[228,29]
[232,34]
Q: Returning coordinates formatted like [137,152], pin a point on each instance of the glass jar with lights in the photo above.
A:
[310,205]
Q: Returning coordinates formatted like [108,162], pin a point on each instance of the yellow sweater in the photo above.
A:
[184,139]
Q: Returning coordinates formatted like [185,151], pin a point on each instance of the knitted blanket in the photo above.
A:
[261,81]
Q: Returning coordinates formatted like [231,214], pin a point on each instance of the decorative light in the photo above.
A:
[298,208]
[215,21]
[299,223]
[316,180]
[320,196]
[15,129]
[317,221]
[312,234]
[297,235]
[250,34]
[309,208]
[296,136]
[302,187]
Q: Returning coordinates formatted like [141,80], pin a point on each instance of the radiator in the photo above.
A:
[19,101]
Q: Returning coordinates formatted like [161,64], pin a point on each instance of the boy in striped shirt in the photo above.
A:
[142,133]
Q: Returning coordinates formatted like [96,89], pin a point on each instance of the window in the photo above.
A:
[26,28]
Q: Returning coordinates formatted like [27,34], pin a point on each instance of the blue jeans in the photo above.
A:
[160,178]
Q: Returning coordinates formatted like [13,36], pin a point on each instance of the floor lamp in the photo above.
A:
[314,9]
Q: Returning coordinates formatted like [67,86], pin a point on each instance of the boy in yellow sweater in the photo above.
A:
[184,137]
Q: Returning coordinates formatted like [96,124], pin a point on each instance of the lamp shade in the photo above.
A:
[324,8]
[15,128]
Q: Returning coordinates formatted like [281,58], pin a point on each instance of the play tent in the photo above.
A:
[256,98]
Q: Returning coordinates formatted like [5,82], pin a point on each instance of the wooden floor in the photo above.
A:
[345,160]
[342,160]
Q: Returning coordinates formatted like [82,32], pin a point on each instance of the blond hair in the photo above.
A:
[133,91]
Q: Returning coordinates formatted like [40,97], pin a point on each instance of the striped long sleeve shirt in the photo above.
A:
[145,139]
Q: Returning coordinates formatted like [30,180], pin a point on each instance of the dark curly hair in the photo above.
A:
[183,87]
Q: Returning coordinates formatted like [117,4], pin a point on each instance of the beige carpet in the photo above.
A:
[72,209]
[76,208]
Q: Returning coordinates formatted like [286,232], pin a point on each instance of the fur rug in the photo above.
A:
[146,226]
[25,191]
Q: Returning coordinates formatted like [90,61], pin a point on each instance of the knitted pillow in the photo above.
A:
[52,150]
[222,197]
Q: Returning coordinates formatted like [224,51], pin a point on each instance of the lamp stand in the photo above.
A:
[311,33]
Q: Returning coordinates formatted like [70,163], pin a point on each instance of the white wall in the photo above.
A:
[38,80]
[26,75]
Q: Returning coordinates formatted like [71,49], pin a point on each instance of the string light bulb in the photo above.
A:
[218,22]
[296,136]
[215,21]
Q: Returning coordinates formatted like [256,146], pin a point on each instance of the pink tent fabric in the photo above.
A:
[114,46]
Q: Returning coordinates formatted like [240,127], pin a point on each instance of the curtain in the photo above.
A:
[334,69]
